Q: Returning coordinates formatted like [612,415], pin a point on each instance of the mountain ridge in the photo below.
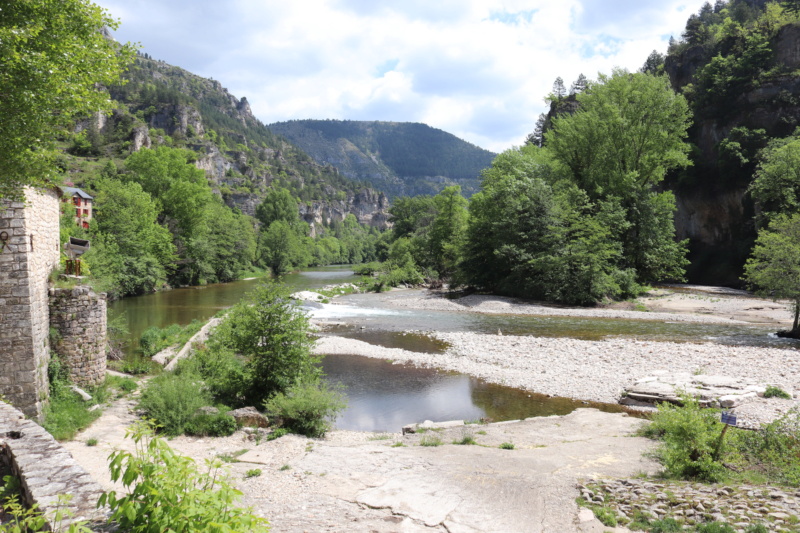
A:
[399,158]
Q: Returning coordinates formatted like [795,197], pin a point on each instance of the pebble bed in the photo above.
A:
[690,503]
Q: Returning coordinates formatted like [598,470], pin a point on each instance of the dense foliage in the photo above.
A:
[54,55]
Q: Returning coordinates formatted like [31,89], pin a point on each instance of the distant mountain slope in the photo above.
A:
[398,158]
[164,104]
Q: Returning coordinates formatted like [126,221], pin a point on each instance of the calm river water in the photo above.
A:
[383,396]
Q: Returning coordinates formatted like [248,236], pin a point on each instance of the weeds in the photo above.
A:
[507,446]
[776,392]
[255,472]
[430,440]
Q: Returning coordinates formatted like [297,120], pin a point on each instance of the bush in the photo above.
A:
[307,408]
[665,525]
[690,436]
[270,332]
[67,413]
[218,425]
[172,400]
[776,392]
[774,451]
[167,492]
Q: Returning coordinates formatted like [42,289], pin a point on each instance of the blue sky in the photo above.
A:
[479,69]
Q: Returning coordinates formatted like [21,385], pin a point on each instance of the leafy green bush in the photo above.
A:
[776,392]
[774,451]
[167,492]
[172,400]
[665,525]
[690,436]
[206,425]
[307,408]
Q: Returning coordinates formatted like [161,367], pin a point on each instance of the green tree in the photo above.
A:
[282,248]
[126,220]
[278,204]
[776,186]
[448,230]
[54,56]
[774,268]
[270,332]
[627,133]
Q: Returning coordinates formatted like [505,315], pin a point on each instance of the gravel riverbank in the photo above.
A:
[597,370]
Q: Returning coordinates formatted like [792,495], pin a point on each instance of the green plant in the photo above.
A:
[772,453]
[255,472]
[211,425]
[466,439]
[121,383]
[691,440]
[67,413]
[639,522]
[232,457]
[173,399]
[507,446]
[307,407]
[23,519]
[430,440]
[167,492]
[776,392]
[398,444]
[277,433]
[756,528]
[714,527]
[606,516]
[285,467]
[91,442]
[665,525]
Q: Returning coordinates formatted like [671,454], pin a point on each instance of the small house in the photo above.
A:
[82,203]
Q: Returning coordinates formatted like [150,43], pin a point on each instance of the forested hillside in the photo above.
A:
[184,179]
[399,158]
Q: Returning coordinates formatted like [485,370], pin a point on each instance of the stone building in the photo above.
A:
[29,252]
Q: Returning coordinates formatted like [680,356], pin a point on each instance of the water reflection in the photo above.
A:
[384,397]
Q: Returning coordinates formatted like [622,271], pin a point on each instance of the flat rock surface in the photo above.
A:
[367,482]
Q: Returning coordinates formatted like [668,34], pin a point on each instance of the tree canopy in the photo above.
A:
[55,55]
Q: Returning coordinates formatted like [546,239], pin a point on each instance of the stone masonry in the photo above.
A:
[47,471]
[79,317]
[29,252]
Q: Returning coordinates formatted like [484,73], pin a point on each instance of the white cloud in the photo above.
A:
[476,68]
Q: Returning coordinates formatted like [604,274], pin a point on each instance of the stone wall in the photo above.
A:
[79,317]
[29,235]
[46,470]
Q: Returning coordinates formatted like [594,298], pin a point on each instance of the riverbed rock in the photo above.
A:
[710,390]
[307,296]
[250,417]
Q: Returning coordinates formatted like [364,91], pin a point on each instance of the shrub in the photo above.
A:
[690,436]
[255,472]
[774,451]
[172,400]
[665,525]
[507,446]
[218,425]
[270,332]
[167,492]
[776,392]
[307,408]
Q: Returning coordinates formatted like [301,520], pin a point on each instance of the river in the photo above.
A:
[383,396]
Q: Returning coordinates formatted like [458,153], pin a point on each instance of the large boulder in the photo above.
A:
[249,417]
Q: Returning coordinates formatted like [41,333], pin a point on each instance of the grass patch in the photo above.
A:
[606,516]
[255,472]
[91,442]
[507,446]
[398,445]
[232,457]
[430,440]
[277,433]
[467,439]
[67,413]
[155,339]
[284,468]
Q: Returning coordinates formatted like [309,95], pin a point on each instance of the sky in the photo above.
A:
[479,69]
